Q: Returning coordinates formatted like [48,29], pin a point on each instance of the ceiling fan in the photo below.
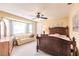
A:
[41,16]
[69,3]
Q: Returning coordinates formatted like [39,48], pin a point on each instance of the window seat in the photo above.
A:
[22,39]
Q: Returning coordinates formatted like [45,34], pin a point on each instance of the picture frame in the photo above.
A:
[75,22]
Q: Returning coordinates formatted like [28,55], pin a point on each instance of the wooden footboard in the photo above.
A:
[55,46]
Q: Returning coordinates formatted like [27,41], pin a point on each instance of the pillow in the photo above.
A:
[56,34]
[60,36]
[31,35]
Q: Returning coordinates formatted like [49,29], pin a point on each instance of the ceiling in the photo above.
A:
[29,10]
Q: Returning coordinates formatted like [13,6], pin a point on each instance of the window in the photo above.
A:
[30,28]
[18,27]
[15,27]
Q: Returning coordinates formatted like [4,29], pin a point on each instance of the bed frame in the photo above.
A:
[56,46]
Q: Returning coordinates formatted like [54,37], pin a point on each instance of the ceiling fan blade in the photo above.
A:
[44,17]
[69,3]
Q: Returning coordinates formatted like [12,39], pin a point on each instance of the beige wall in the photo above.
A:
[74,10]
[57,22]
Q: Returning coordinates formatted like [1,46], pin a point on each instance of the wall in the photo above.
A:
[74,10]
[57,22]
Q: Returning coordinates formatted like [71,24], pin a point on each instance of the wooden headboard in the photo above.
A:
[59,30]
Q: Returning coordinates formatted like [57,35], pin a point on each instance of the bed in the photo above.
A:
[55,45]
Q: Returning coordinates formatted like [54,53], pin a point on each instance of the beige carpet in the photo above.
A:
[28,49]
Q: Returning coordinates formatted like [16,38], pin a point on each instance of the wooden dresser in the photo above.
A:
[6,45]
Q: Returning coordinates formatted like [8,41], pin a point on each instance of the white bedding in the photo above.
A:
[60,36]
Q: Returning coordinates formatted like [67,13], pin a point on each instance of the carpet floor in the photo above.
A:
[28,49]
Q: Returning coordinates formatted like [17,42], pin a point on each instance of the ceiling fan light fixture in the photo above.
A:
[39,15]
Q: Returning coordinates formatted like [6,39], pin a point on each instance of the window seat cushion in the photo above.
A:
[22,39]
